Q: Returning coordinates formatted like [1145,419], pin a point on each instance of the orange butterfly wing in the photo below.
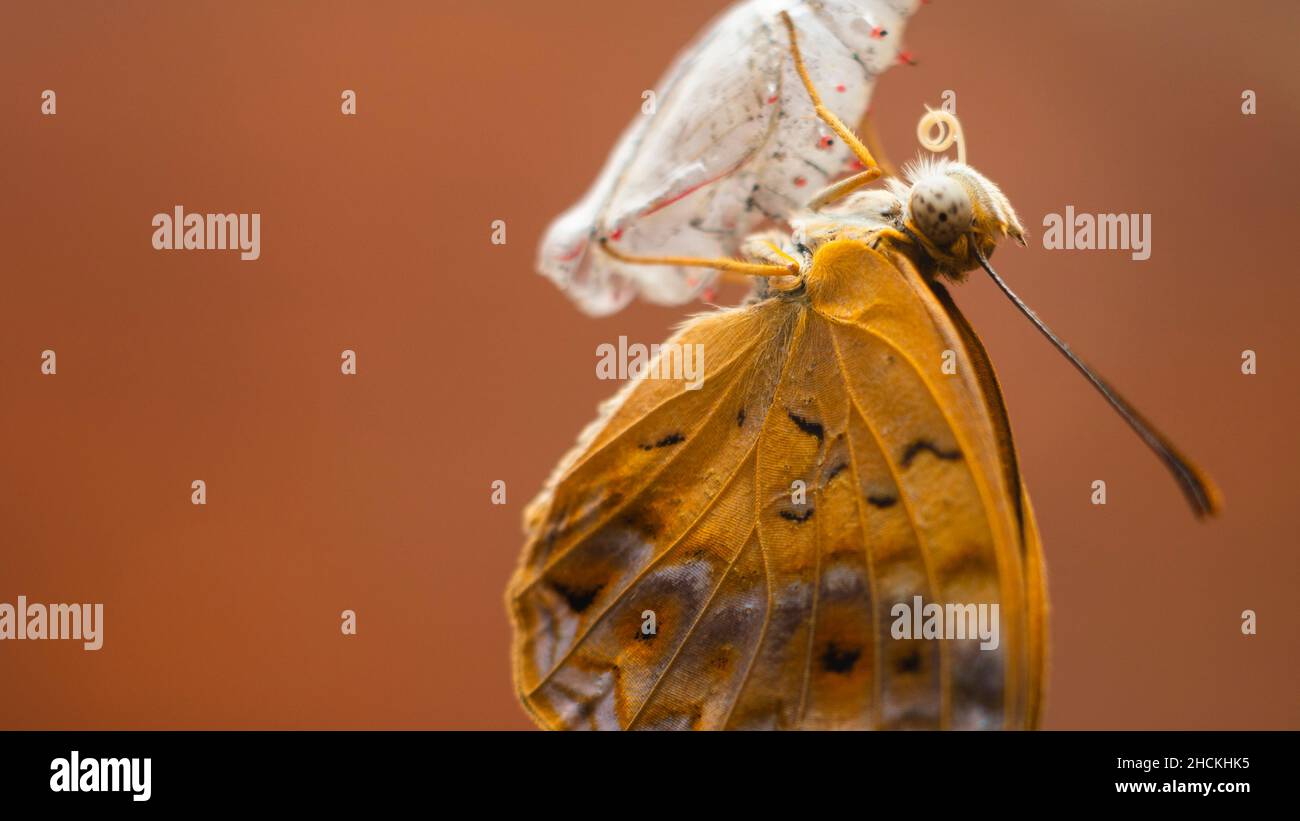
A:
[680,508]
[1036,580]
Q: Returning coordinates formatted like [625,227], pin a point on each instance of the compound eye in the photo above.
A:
[941,209]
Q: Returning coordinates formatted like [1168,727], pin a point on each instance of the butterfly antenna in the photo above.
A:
[1199,489]
[949,133]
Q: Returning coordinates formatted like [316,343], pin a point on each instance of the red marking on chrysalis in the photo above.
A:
[617,235]
[841,88]
[856,164]
[825,142]
[662,204]
[879,32]
[800,182]
[708,294]
[905,57]
[772,99]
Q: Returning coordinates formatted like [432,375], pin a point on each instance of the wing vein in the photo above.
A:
[554,560]
[654,688]
[944,696]
[817,575]
[1006,584]
[795,339]
[877,656]
[578,640]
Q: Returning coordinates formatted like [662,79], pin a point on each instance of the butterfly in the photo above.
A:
[700,178]
[748,554]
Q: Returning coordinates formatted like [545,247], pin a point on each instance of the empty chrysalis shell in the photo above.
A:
[733,144]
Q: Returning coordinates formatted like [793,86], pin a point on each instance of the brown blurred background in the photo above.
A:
[372,492]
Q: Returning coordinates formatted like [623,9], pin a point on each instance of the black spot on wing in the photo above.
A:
[740,418]
[922,445]
[796,517]
[807,425]
[882,500]
[838,659]
[670,439]
[578,598]
[835,471]
[637,519]
[909,663]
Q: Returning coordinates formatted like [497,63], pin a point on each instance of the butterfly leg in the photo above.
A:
[838,191]
[871,169]
[768,247]
[735,266]
[871,139]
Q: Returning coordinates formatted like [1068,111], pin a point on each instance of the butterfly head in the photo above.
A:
[951,210]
